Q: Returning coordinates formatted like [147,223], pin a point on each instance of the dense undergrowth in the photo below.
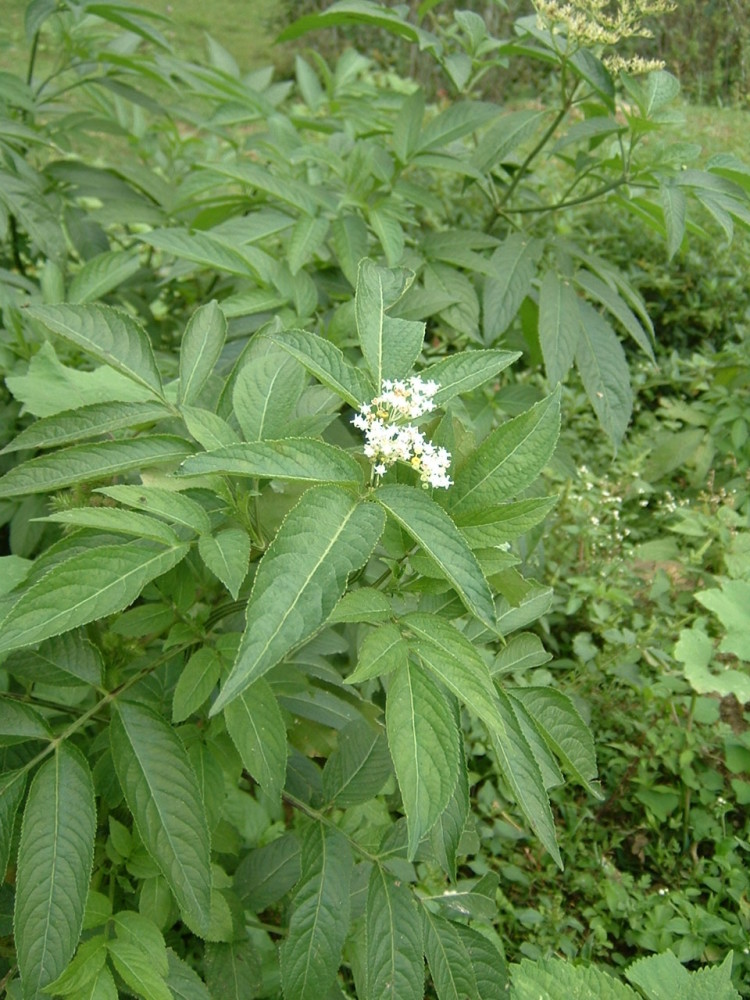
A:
[283,715]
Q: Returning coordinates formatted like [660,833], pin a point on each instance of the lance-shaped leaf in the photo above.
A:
[266,392]
[12,787]
[87,586]
[327,536]
[311,954]
[564,731]
[382,650]
[184,981]
[508,460]
[227,555]
[107,334]
[54,866]
[603,368]
[425,747]
[162,793]
[358,767]
[19,722]
[616,306]
[90,421]
[448,959]
[514,263]
[327,363]
[125,522]
[256,725]
[201,347]
[521,771]
[86,463]
[465,371]
[559,325]
[504,522]
[488,964]
[430,526]
[393,935]
[101,274]
[390,345]
[174,507]
[232,970]
[555,979]
[445,836]
[297,459]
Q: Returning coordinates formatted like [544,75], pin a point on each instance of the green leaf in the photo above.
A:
[430,526]
[390,345]
[55,855]
[448,959]
[319,923]
[382,651]
[408,125]
[184,982]
[327,536]
[559,325]
[208,429]
[227,555]
[65,661]
[674,208]
[504,136]
[199,677]
[351,242]
[445,836]
[393,936]
[536,602]
[357,12]
[327,363]
[208,251]
[267,873]
[604,371]
[19,722]
[12,787]
[137,971]
[162,793]
[555,979]
[696,650]
[488,964]
[521,771]
[298,459]
[365,604]
[359,766]
[256,725]
[102,274]
[201,347]
[508,460]
[90,421]
[85,463]
[466,371]
[107,334]
[425,746]
[616,306]
[173,507]
[305,240]
[233,970]
[109,519]
[145,935]
[266,392]
[514,264]
[522,652]
[503,523]
[456,121]
[564,731]
[662,977]
[85,587]
[85,967]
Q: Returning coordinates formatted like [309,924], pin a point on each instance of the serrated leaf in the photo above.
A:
[305,239]
[552,776]
[466,371]
[456,121]
[233,970]
[90,421]
[448,959]
[199,677]
[183,981]
[137,972]
[394,941]
[266,874]
[407,126]
[514,263]
[85,463]
[445,836]
[209,430]
[102,987]
[107,334]
[390,345]
[555,979]
[64,660]
[382,650]
[504,136]
[425,747]
[119,522]
[488,964]
[351,242]
[101,274]
[162,793]
[296,459]
[311,953]
[522,773]
[85,587]
[327,363]
[12,787]
[674,208]
[227,555]
[564,731]
[604,371]
[173,507]
[508,460]
[559,325]
[201,348]
[503,523]
[359,766]
[327,536]
[145,935]
[19,722]
[256,725]
[433,529]
[85,967]
[536,602]
[207,251]
[522,652]
[616,306]
[265,393]
[55,855]
[365,604]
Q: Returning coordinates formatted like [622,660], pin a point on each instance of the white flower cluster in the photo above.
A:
[388,441]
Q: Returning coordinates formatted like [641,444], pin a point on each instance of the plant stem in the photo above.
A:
[320,817]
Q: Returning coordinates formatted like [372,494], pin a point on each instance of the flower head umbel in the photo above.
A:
[388,440]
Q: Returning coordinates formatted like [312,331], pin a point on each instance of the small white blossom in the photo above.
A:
[388,441]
